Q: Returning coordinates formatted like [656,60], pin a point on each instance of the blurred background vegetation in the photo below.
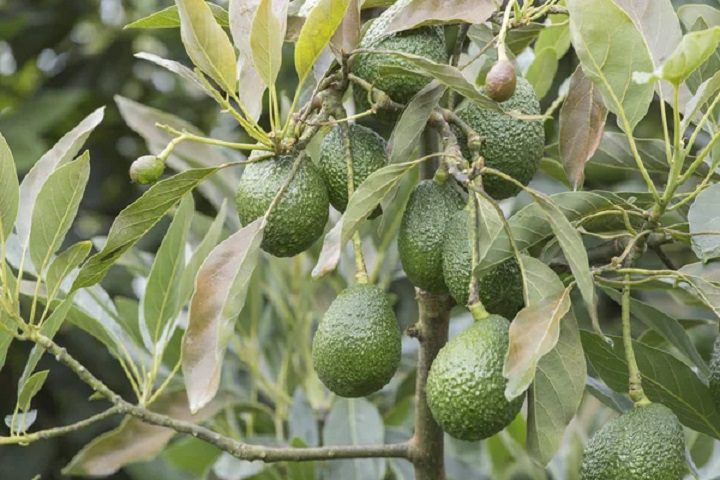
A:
[59,61]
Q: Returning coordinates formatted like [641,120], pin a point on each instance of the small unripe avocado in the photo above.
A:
[356,349]
[500,81]
[513,146]
[299,218]
[428,42]
[422,232]
[147,169]
[466,387]
[368,155]
[714,380]
[500,287]
[645,443]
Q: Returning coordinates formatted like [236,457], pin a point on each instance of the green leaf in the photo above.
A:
[665,380]
[347,35]
[242,14]
[303,424]
[169,18]
[604,56]
[448,75]
[267,37]
[330,253]
[5,340]
[691,13]
[582,122]
[31,388]
[62,152]
[300,470]
[694,49]
[533,333]
[354,422]
[704,218]
[665,325]
[207,44]
[55,209]
[160,301]
[572,245]
[556,393]
[175,67]
[220,291]
[407,131]
[64,264]
[419,13]
[320,25]
[369,195]
[541,72]
[9,191]
[134,441]
[136,219]
[700,102]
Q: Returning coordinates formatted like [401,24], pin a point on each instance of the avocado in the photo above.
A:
[368,155]
[422,232]
[356,349]
[645,443]
[500,287]
[466,387]
[714,380]
[428,42]
[299,217]
[513,146]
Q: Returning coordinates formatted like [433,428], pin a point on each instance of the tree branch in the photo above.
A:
[241,450]
[59,431]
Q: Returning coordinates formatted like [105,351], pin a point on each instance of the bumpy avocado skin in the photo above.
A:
[513,146]
[428,42]
[646,443]
[466,387]
[299,217]
[714,380]
[368,155]
[356,349]
[500,287]
[422,232]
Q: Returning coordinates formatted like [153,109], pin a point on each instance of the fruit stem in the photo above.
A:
[502,52]
[475,305]
[635,390]
[427,445]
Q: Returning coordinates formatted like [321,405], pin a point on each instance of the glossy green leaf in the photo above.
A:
[582,123]
[541,72]
[700,102]
[448,75]
[160,300]
[136,219]
[31,388]
[220,290]
[409,128]
[175,67]
[330,253]
[704,219]
[267,37]
[319,27]
[354,422]
[207,44]
[665,380]
[169,18]
[134,441]
[55,209]
[694,49]
[419,13]
[5,341]
[689,15]
[665,325]
[9,190]
[64,264]
[369,195]
[604,56]
[242,14]
[62,152]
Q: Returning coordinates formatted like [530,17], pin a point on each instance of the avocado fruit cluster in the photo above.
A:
[367,150]
[356,349]
[511,145]
[422,232]
[300,215]
[465,385]
[645,443]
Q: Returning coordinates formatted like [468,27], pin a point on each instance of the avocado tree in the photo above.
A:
[431,156]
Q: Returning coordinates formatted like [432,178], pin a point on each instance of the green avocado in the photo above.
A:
[368,155]
[422,232]
[513,146]
[645,443]
[500,287]
[714,380]
[299,217]
[428,42]
[356,349]
[466,387]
